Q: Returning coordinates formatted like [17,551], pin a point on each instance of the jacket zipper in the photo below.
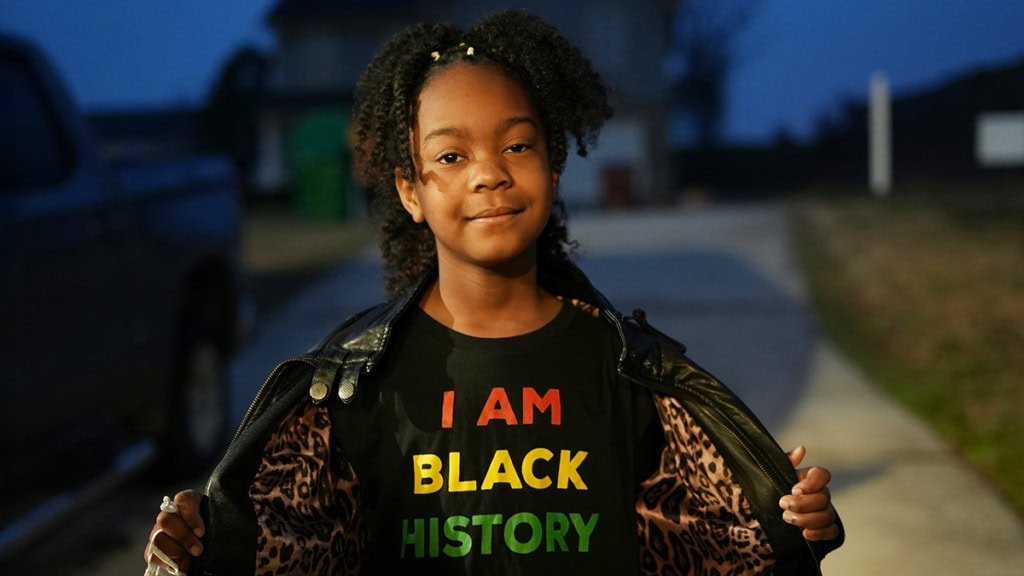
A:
[262,392]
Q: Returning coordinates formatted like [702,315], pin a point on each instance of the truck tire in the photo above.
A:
[200,402]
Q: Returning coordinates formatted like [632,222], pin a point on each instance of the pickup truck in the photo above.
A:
[120,291]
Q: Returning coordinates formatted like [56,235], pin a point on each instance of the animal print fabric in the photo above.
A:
[307,504]
[692,517]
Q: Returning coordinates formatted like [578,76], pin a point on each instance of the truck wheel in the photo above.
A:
[198,424]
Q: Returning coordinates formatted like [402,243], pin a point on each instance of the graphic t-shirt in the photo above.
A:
[500,455]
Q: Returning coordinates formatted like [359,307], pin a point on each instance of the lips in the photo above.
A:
[494,213]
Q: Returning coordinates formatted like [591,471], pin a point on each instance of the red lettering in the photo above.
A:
[446,409]
[497,408]
[551,399]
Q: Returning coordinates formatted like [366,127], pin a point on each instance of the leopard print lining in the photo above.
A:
[692,517]
[307,503]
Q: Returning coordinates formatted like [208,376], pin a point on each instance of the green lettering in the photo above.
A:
[435,542]
[415,537]
[584,529]
[486,522]
[535,536]
[452,532]
[557,525]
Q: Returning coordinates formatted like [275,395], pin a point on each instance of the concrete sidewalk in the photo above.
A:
[910,504]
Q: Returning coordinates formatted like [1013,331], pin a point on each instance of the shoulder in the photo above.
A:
[660,362]
[352,349]
[365,334]
[365,330]
[648,347]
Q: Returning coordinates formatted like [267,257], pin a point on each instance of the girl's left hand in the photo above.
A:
[809,505]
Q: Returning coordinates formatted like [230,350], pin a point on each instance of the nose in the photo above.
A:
[489,174]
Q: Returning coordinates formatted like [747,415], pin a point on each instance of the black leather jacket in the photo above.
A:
[334,369]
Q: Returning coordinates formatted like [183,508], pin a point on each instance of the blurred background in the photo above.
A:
[190,150]
[712,93]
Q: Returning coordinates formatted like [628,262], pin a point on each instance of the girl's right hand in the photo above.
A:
[177,534]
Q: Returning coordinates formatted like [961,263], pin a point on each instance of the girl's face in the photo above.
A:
[484,184]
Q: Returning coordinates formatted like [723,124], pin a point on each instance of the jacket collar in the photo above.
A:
[356,347]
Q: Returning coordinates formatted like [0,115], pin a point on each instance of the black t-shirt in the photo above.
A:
[500,455]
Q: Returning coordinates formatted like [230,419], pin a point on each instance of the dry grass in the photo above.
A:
[926,292]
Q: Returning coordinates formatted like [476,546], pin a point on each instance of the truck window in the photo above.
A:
[34,151]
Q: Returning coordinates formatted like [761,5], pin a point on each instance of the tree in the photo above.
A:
[703,55]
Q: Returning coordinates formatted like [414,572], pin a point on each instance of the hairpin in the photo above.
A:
[469,52]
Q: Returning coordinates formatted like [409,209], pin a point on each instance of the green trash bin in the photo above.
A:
[321,166]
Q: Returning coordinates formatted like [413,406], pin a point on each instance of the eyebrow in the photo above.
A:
[505,125]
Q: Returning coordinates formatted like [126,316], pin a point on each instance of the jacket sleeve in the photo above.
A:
[755,461]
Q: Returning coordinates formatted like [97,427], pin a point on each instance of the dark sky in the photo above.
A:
[797,58]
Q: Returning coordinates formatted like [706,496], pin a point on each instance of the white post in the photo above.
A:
[880,136]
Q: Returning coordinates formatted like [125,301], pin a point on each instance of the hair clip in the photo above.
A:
[469,51]
[435,55]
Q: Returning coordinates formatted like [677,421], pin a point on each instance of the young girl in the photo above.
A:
[497,415]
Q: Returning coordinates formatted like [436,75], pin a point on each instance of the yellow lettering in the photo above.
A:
[501,470]
[455,484]
[429,476]
[567,469]
[532,480]
[426,470]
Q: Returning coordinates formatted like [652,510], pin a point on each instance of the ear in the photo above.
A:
[407,194]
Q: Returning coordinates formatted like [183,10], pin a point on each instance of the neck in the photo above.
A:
[489,303]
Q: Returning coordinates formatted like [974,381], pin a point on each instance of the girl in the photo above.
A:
[497,415]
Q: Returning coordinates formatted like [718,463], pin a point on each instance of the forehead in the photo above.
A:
[472,95]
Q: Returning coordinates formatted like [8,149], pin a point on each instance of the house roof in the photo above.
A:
[305,11]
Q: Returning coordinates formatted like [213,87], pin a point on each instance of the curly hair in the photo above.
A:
[570,97]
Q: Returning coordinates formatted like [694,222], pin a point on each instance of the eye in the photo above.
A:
[449,158]
[517,148]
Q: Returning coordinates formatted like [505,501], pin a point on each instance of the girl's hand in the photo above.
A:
[177,534]
[809,505]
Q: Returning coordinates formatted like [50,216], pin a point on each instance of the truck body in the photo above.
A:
[119,296]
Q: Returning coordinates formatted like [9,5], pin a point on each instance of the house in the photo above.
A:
[323,46]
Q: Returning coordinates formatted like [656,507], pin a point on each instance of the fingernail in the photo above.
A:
[784,503]
[790,518]
[195,550]
[797,491]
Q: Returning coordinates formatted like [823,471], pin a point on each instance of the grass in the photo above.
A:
[925,291]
